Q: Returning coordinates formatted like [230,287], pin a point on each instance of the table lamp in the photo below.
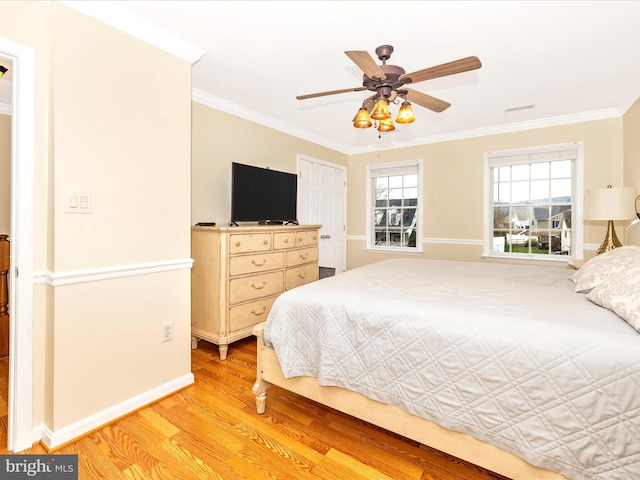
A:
[610,204]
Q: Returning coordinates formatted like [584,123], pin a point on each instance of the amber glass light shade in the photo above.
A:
[386,125]
[362,119]
[405,114]
[380,110]
[3,70]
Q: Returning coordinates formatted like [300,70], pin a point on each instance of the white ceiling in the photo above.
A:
[571,60]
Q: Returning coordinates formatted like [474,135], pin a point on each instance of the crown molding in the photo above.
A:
[121,19]
[221,104]
[505,128]
[218,103]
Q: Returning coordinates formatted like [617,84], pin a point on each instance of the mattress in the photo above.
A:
[508,354]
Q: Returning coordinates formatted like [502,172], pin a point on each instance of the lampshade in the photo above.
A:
[405,114]
[380,110]
[386,125]
[610,203]
[362,119]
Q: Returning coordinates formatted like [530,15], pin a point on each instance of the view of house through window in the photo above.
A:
[532,201]
[394,193]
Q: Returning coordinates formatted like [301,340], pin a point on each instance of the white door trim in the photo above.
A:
[19,434]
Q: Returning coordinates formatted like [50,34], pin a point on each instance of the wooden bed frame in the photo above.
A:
[391,418]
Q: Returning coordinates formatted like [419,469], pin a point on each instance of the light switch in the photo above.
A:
[77,202]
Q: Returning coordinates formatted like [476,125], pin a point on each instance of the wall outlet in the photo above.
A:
[166,332]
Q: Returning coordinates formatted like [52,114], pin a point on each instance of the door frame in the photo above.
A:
[20,405]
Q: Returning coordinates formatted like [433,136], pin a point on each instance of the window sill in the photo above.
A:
[397,250]
[557,261]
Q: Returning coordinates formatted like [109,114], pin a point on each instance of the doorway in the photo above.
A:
[20,406]
[322,193]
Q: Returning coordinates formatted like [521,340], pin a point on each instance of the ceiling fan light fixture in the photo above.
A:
[362,120]
[388,84]
[386,125]
[381,110]
[405,114]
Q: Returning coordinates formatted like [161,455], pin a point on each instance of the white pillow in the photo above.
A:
[604,265]
[620,293]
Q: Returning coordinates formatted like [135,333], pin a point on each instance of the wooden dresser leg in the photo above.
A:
[223,349]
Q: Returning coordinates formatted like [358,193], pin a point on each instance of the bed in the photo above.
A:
[531,372]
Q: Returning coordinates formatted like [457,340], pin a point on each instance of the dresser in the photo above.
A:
[238,272]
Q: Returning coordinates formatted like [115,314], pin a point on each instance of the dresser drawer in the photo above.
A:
[300,256]
[249,242]
[243,289]
[250,314]
[283,240]
[261,262]
[300,275]
[306,238]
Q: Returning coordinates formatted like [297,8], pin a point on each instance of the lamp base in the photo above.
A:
[610,240]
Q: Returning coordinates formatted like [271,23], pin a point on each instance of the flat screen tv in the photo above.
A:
[263,195]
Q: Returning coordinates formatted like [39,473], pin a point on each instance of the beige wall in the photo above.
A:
[632,159]
[453,176]
[219,138]
[453,184]
[5,173]
[108,123]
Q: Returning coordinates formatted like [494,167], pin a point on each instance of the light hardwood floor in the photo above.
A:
[210,430]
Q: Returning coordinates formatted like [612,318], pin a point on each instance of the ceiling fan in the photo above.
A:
[388,82]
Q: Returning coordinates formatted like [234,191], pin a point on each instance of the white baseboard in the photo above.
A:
[71,432]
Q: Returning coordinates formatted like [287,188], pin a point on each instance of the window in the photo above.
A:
[531,206]
[393,199]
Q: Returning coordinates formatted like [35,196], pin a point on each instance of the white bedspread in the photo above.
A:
[508,354]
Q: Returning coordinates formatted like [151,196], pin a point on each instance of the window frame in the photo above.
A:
[575,150]
[391,169]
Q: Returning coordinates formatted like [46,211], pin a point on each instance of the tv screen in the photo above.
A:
[262,195]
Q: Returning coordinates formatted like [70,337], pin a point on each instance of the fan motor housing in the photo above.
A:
[392,72]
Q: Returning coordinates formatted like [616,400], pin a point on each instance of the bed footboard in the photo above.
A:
[268,372]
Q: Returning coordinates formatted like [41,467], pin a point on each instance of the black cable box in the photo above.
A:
[206,224]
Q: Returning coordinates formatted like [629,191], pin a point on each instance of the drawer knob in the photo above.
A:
[264,260]
[302,275]
[264,309]
[265,241]
[237,244]
[304,255]
[259,287]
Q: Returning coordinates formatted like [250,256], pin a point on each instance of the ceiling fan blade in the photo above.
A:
[332,92]
[366,63]
[426,101]
[451,68]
